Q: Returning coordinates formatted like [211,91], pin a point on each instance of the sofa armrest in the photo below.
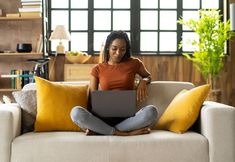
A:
[217,124]
[10,127]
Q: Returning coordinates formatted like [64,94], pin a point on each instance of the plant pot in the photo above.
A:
[214,95]
[215,92]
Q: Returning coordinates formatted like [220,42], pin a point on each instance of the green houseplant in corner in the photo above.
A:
[208,56]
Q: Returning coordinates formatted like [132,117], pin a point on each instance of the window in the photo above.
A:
[151,24]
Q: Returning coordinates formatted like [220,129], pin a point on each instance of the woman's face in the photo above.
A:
[117,50]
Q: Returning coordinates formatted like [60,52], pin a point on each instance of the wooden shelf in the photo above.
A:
[21,54]
[8,90]
[19,18]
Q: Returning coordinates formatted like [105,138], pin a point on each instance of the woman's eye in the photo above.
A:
[115,49]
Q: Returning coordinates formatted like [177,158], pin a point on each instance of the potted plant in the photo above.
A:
[208,56]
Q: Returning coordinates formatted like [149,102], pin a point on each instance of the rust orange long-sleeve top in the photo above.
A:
[117,77]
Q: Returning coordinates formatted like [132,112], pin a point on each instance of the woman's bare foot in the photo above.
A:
[145,130]
[90,133]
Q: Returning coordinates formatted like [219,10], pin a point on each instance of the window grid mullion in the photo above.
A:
[179,27]
[158,28]
[135,26]
[90,40]
[69,25]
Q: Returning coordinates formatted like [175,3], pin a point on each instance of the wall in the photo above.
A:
[174,68]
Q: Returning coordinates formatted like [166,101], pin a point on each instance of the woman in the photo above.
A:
[118,72]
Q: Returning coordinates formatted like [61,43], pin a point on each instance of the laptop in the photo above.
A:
[114,103]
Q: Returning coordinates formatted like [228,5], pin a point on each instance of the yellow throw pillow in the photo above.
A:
[184,109]
[55,102]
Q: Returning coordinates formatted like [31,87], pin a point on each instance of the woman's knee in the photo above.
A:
[150,112]
[78,113]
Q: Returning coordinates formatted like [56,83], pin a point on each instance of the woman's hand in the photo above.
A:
[142,91]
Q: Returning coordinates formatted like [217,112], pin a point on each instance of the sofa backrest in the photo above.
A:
[160,93]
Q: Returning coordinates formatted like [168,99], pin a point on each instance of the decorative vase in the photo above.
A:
[215,92]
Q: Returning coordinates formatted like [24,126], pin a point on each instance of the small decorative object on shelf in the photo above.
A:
[77,57]
[24,47]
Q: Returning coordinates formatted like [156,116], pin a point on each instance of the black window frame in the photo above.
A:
[134,25]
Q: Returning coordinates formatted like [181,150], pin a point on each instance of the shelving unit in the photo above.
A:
[21,54]
[19,30]
[19,18]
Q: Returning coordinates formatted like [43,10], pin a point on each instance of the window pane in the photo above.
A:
[79,41]
[79,20]
[208,4]
[192,4]
[190,15]
[123,17]
[59,18]
[59,4]
[168,3]
[188,37]
[168,41]
[102,3]
[79,3]
[99,39]
[146,17]
[121,3]
[168,20]
[148,41]
[148,4]
[102,20]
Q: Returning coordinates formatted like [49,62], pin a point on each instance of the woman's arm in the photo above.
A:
[142,87]
[94,83]
[145,74]
[93,86]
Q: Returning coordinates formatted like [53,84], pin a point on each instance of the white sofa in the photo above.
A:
[214,141]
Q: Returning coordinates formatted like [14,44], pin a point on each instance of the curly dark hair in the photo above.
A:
[117,35]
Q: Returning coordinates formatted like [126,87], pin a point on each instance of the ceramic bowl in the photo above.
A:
[79,59]
[24,47]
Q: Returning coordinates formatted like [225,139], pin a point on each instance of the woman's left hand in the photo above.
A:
[142,91]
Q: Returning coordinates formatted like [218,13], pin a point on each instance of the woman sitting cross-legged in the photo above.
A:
[118,72]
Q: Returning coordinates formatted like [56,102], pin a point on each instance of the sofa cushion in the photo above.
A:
[28,102]
[55,102]
[183,111]
[162,146]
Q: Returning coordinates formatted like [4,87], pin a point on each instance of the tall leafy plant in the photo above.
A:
[209,48]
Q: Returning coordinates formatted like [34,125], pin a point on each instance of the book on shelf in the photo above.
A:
[19,78]
[13,15]
[30,3]
[32,6]
[13,79]
[39,44]
[30,14]
[21,10]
